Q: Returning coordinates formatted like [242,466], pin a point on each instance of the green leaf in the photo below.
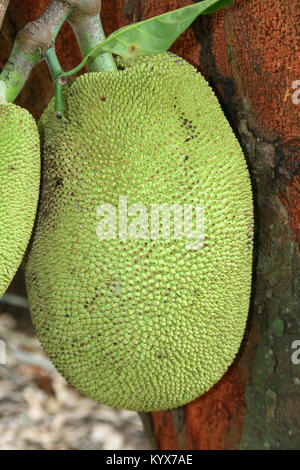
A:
[154,35]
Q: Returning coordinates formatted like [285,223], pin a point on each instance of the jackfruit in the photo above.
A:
[149,316]
[19,186]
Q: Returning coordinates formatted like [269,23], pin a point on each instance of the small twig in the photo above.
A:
[3,8]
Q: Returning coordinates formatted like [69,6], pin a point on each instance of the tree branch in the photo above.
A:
[86,24]
[38,37]
[30,47]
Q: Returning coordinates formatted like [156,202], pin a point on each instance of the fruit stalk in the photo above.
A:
[86,24]
[58,80]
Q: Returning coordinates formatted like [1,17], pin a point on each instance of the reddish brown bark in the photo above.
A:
[249,52]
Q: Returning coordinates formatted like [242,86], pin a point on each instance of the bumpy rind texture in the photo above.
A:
[143,324]
[19,186]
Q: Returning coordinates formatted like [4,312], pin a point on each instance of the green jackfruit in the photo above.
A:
[146,317]
[19,186]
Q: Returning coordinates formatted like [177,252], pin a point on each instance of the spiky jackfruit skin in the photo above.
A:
[143,324]
[19,186]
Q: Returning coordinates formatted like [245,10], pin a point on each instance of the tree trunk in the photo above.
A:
[248,52]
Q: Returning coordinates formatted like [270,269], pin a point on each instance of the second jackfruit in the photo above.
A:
[19,186]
